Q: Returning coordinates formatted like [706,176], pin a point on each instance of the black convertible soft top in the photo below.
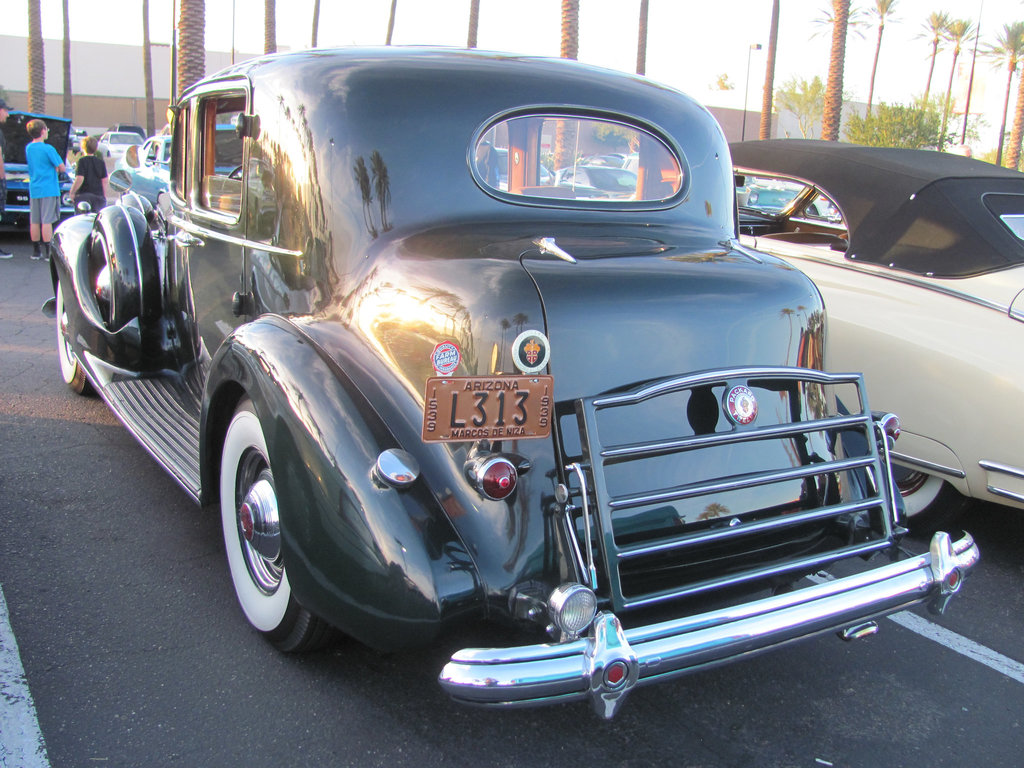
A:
[922,211]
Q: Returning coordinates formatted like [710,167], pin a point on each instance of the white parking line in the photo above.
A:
[21,741]
[972,650]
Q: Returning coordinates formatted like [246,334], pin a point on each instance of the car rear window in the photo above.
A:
[568,159]
[125,138]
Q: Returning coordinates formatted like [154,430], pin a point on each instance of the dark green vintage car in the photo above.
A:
[428,387]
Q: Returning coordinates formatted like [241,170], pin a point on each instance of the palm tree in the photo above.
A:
[36,60]
[191,43]
[566,130]
[935,28]
[958,31]
[882,11]
[270,26]
[474,23]
[641,43]
[765,130]
[570,29]
[67,63]
[147,69]
[834,89]
[316,22]
[1008,49]
[391,22]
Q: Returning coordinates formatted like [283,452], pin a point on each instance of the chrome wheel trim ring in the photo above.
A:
[265,574]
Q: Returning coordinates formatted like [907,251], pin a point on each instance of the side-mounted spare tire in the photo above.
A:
[123,269]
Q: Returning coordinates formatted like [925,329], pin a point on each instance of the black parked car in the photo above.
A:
[424,397]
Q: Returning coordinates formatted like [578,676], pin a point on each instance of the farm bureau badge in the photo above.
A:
[741,405]
[531,351]
[446,358]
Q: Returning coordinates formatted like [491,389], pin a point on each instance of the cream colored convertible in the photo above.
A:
[920,259]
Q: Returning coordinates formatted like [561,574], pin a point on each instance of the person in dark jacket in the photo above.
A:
[90,177]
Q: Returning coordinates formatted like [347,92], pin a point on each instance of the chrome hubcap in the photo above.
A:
[259,527]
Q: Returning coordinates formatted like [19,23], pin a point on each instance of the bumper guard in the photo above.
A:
[607,663]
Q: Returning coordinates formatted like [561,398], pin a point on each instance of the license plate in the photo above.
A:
[487,408]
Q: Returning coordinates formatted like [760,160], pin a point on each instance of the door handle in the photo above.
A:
[188,240]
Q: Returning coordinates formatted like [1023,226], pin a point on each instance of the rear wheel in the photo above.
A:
[70,369]
[930,501]
[252,539]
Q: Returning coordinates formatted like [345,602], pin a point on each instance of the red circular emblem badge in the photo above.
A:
[446,358]
[741,405]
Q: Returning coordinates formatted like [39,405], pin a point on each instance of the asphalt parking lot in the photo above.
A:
[134,652]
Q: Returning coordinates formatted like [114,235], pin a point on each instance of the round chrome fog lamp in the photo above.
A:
[572,608]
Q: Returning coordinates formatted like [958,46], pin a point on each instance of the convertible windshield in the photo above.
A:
[562,157]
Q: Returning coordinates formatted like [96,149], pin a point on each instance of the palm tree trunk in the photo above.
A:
[391,22]
[474,23]
[949,96]
[1002,125]
[832,115]
[67,63]
[1013,150]
[191,43]
[931,70]
[874,66]
[36,60]
[570,29]
[641,42]
[270,26]
[765,129]
[316,23]
[147,70]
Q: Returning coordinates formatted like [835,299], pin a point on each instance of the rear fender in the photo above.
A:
[384,565]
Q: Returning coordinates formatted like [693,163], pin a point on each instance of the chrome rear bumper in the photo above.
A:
[591,667]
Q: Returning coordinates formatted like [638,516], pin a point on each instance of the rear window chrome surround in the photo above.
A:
[555,111]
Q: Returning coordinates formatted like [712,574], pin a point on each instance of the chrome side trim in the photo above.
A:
[1004,468]
[902,458]
[1005,494]
[551,673]
[906,279]
[195,229]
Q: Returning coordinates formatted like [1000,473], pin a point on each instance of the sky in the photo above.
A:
[690,42]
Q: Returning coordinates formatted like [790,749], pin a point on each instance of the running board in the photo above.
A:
[163,415]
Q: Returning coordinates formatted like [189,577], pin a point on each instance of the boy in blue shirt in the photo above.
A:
[43,187]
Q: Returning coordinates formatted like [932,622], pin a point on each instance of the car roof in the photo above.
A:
[351,97]
[888,194]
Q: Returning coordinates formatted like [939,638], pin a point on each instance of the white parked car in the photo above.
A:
[920,259]
[115,144]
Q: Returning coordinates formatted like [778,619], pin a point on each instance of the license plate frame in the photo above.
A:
[506,407]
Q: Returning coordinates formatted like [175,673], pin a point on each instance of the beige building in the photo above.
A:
[106,80]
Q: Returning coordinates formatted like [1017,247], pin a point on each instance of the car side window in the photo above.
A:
[220,154]
[180,152]
[821,208]
[151,152]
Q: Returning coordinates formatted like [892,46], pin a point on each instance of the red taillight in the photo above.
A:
[496,478]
